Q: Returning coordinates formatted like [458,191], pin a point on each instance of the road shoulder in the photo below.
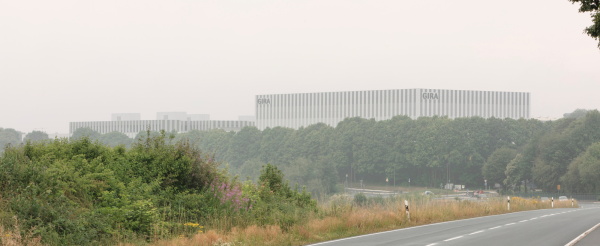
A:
[588,238]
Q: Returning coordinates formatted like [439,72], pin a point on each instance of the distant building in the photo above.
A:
[125,116]
[183,116]
[197,117]
[247,118]
[169,121]
[304,109]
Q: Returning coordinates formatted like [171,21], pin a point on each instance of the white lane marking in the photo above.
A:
[494,227]
[450,239]
[431,244]
[510,224]
[476,232]
[523,221]
[434,224]
[533,218]
[574,241]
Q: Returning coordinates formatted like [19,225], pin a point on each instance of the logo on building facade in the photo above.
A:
[263,101]
[430,96]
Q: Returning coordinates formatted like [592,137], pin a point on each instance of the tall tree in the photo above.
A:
[589,168]
[9,136]
[36,136]
[568,138]
[244,146]
[115,138]
[85,132]
[578,113]
[495,166]
[591,6]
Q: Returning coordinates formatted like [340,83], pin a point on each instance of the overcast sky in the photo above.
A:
[63,61]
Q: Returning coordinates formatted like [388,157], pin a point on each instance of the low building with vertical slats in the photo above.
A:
[131,124]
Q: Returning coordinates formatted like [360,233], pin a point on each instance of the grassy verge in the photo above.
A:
[341,217]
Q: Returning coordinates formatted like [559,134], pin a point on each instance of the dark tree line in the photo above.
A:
[429,151]
[112,139]
[11,137]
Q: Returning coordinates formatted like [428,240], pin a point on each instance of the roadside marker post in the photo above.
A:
[552,202]
[406,209]
[508,199]
[572,202]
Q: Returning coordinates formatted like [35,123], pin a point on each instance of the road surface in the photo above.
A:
[539,227]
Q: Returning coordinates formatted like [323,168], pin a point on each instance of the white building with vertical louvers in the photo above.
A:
[167,121]
[304,109]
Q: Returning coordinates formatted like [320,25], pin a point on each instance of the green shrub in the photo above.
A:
[84,193]
[360,199]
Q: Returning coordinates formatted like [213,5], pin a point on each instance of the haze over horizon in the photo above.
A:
[69,60]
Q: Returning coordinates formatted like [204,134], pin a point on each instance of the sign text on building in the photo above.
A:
[263,101]
[430,95]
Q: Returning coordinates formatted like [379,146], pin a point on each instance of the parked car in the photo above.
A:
[563,198]
[545,199]
[429,193]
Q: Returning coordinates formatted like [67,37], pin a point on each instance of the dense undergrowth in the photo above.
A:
[85,193]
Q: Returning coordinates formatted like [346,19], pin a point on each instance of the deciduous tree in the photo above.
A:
[36,136]
[495,166]
[591,6]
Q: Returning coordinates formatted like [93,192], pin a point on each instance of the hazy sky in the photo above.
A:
[63,61]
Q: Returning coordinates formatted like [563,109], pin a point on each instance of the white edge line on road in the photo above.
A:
[523,221]
[408,228]
[431,244]
[473,233]
[450,239]
[510,224]
[574,241]
[494,227]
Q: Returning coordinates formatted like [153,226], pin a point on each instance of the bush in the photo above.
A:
[84,193]
[276,203]
[360,199]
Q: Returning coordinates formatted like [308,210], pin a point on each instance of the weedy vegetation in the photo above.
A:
[162,192]
[85,193]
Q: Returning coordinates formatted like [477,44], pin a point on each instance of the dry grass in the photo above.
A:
[338,218]
[12,236]
[208,238]
[342,219]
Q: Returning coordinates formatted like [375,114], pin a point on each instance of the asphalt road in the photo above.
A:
[539,227]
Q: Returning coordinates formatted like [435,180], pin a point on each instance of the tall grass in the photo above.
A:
[337,218]
[14,237]
[341,217]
